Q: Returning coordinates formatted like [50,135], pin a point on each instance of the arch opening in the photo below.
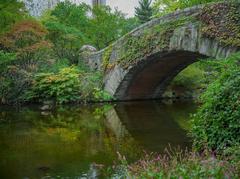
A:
[150,78]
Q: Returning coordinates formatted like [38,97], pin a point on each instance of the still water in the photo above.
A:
[75,141]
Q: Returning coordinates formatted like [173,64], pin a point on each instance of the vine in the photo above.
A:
[221,21]
[106,58]
[156,38]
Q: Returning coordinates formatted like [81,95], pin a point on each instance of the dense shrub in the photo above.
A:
[13,83]
[6,59]
[91,87]
[216,124]
[66,86]
[13,80]
[61,87]
[24,51]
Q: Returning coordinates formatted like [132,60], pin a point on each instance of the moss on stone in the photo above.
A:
[106,57]
[219,21]
[150,40]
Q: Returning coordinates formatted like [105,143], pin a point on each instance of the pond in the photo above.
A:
[76,141]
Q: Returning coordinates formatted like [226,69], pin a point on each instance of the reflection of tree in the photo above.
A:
[64,136]
[126,146]
[181,113]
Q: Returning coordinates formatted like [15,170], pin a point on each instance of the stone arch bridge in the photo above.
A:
[142,63]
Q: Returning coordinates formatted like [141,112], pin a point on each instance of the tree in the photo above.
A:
[27,39]
[162,7]
[67,25]
[72,15]
[26,50]
[144,12]
[11,11]
[70,26]
[105,26]
[130,24]
[67,41]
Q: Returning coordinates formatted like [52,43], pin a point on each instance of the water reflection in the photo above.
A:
[155,125]
[76,141]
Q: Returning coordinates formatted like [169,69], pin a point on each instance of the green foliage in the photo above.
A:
[67,85]
[6,59]
[106,58]
[11,11]
[55,66]
[149,41]
[129,24]
[25,49]
[67,25]
[14,81]
[216,124]
[72,15]
[101,95]
[106,26]
[91,87]
[144,12]
[70,26]
[190,78]
[67,40]
[163,7]
[27,39]
[45,52]
[62,87]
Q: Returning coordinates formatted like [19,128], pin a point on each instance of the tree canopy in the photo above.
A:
[144,12]
[11,11]
[162,7]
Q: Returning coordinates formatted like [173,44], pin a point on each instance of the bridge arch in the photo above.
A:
[141,64]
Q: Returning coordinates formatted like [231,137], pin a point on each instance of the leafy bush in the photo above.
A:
[67,85]
[216,124]
[13,80]
[13,83]
[62,87]
[91,87]
[6,59]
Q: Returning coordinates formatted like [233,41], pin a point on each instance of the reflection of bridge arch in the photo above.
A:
[152,125]
[114,123]
[141,64]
